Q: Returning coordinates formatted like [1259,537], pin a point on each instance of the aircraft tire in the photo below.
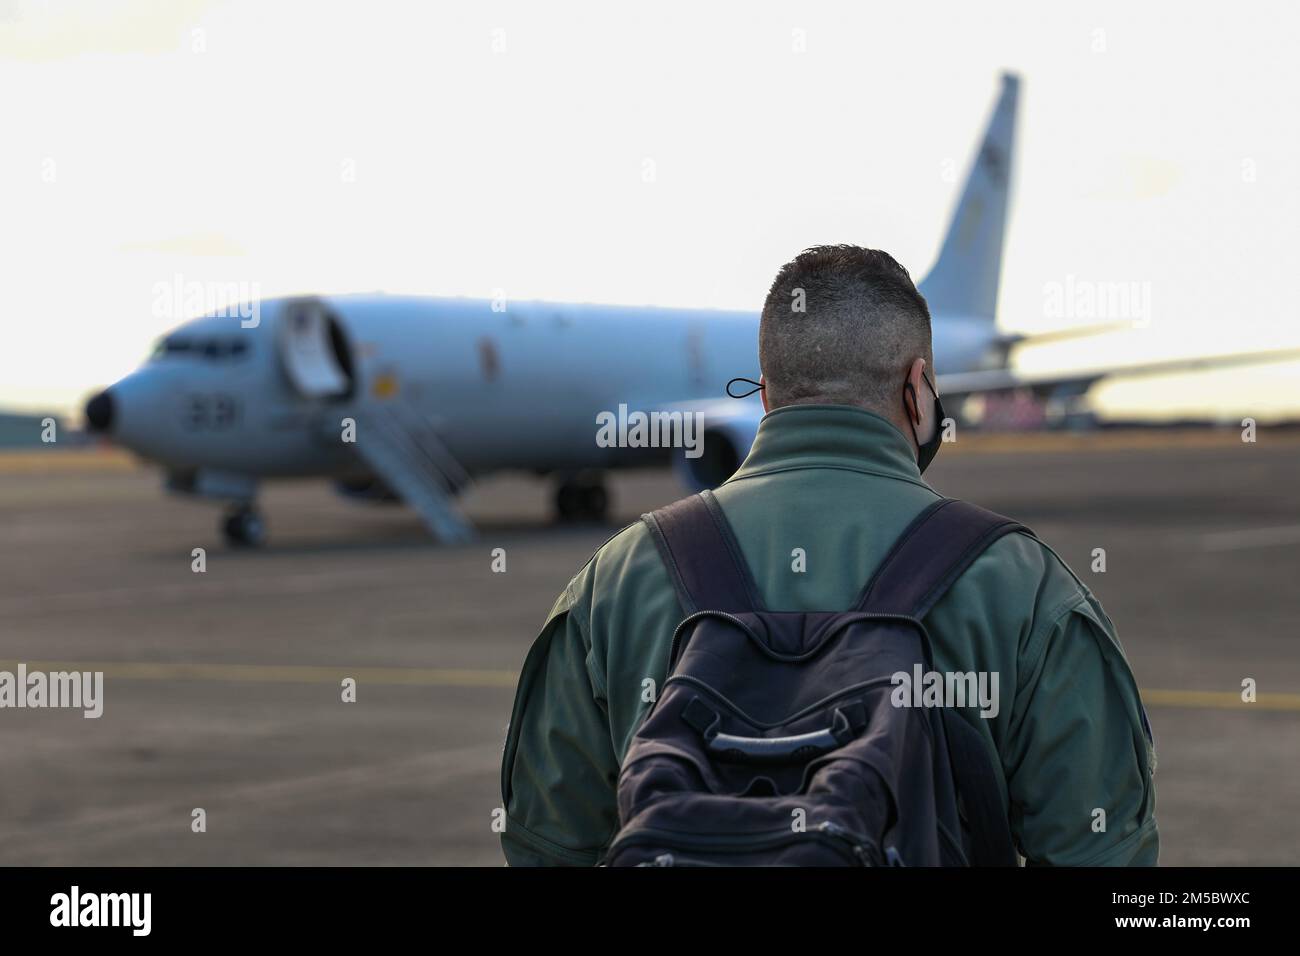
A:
[568,501]
[582,499]
[595,502]
[244,527]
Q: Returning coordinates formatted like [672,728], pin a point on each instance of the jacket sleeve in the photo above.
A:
[559,771]
[1080,757]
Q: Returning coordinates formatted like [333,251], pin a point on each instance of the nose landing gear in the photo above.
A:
[244,527]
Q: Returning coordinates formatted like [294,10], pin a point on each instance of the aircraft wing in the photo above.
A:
[1078,381]
[1010,340]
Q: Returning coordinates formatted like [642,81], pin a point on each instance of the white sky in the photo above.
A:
[1170,157]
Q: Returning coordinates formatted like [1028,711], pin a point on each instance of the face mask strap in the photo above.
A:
[758,386]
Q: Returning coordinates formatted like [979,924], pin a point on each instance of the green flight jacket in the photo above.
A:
[841,484]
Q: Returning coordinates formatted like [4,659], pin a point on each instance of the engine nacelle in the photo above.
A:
[726,441]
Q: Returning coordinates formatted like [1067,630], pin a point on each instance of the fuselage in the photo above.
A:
[506,385]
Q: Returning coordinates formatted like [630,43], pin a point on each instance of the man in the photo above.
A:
[835,470]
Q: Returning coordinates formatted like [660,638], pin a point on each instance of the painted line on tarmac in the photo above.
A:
[102,458]
[281,673]
[73,461]
[307,582]
[485,678]
[1218,700]
[1251,538]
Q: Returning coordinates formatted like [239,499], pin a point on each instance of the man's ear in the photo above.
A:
[915,400]
[763,393]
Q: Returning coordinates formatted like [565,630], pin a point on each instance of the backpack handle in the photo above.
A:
[733,749]
[847,722]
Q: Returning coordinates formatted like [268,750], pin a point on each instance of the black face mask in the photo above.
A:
[925,452]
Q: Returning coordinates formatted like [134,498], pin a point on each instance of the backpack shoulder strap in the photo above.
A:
[976,777]
[931,555]
[927,559]
[703,559]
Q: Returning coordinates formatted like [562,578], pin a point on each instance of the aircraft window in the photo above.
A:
[238,347]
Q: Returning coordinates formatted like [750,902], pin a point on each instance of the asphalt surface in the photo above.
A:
[222,689]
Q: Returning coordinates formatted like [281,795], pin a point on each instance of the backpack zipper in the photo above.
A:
[841,839]
[862,848]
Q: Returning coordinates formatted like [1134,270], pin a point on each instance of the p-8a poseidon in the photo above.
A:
[410,399]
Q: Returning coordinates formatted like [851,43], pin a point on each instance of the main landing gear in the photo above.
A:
[244,527]
[582,497]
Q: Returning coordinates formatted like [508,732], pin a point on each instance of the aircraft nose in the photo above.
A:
[99,412]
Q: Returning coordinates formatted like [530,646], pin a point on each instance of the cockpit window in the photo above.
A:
[216,349]
[171,346]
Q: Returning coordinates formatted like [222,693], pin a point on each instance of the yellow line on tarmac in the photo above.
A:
[283,673]
[1135,439]
[105,457]
[69,460]
[1215,699]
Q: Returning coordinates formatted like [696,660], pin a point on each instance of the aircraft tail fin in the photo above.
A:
[964,279]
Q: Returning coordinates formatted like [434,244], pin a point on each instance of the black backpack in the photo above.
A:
[774,740]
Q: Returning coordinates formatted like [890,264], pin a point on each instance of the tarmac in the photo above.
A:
[223,688]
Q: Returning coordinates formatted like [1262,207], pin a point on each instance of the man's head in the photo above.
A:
[843,325]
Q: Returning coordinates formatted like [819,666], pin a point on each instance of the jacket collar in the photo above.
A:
[829,436]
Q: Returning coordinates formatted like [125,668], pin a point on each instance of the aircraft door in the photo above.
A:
[314,351]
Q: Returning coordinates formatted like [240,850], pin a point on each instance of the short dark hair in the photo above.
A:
[841,326]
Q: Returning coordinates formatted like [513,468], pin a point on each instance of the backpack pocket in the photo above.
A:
[827,844]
